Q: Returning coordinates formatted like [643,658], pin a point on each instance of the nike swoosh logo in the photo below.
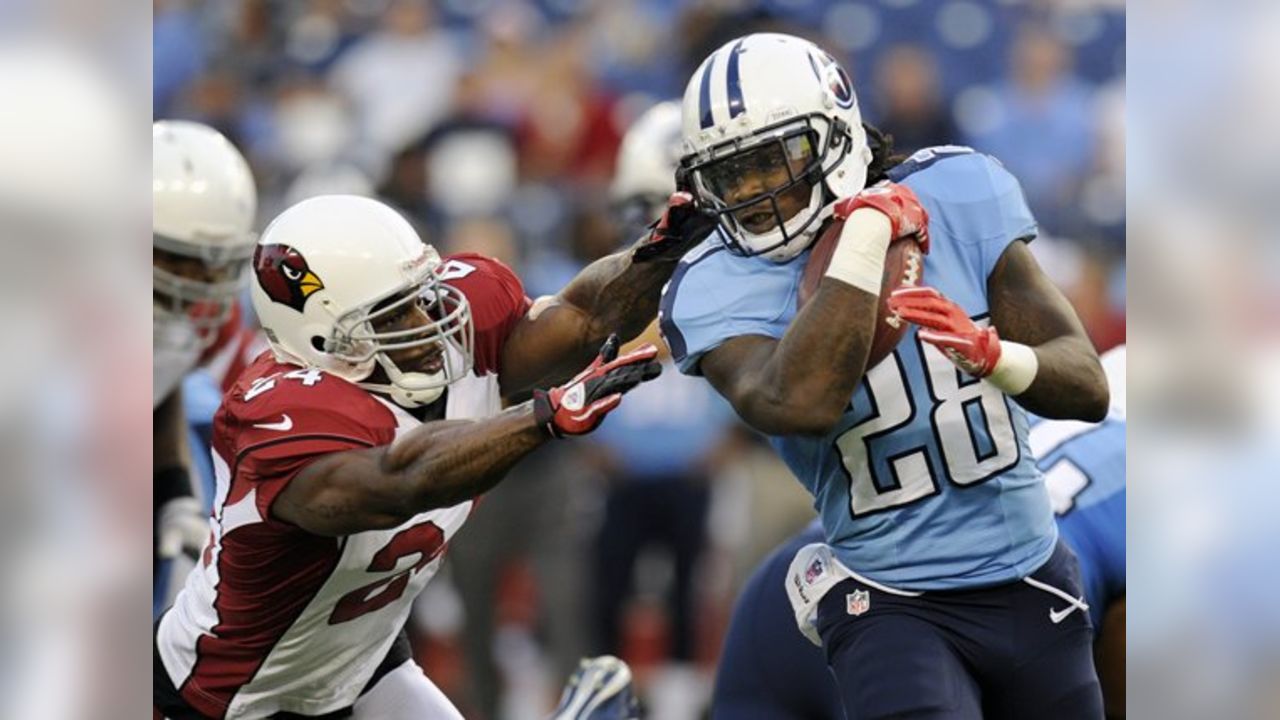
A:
[1057,616]
[285,424]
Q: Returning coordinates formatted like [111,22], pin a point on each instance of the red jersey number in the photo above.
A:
[426,539]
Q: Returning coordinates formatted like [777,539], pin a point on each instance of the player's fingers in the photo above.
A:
[647,351]
[603,406]
[914,292]
[907,307]
[924,317]
[609,351]
[597,409]
[944,338]
[651,371]
[644,353]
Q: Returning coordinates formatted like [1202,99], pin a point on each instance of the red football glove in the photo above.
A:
[579,406]
[945,325]
[907,217]
[681,226]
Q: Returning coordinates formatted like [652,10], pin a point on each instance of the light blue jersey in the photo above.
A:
[1083,466]
[927,482]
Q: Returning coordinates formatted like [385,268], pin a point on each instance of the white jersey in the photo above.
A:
[275,618]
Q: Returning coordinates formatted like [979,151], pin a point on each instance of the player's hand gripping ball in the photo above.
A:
[903,262]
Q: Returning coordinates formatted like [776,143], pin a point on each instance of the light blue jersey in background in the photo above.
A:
[1084,469]
[927,482]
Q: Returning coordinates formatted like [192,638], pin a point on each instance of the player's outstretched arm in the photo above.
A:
[616,294]
[443,463]
[1027,308]
[802,383]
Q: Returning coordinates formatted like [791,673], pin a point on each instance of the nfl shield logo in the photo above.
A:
[858,602]
[814,570]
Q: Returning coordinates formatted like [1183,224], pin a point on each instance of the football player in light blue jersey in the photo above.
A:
[768,671]
[941,589]
[1084,469]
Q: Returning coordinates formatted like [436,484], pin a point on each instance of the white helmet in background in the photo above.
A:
[647,161]
[203,205]
[328,269]
[772,102]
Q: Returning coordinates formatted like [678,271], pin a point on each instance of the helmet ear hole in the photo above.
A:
[317,343]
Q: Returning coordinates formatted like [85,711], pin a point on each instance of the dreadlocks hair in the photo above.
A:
[882,156]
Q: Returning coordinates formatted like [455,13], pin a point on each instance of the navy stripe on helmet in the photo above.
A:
[736,106]
[704,95]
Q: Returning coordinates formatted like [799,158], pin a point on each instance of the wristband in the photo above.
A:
[1016,368]
[858,259]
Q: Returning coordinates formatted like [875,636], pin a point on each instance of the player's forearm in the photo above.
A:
[1027,308]
[616,294]
[1069,382]
[817,365]
[445,463]
[438,464]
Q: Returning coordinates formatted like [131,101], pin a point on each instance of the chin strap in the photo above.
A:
[408,390]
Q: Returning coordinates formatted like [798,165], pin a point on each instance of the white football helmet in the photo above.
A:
[647,160]
[329,269]
[766,103]
[203,206]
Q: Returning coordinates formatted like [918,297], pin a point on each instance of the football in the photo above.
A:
[903,267]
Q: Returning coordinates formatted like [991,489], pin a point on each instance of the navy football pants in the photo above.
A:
[990,653]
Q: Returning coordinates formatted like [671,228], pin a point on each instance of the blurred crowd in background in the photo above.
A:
[494,125]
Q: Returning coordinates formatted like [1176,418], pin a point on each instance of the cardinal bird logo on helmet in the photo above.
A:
[284,275]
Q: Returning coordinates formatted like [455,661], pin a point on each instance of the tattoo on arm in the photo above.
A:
[1026,307]
[464,458]
[438,464]
[612,294]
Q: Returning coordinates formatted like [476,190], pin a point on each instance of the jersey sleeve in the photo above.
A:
[710,300]
[973,197]
[1012,218]
[497,299]
[269,468]
[286,425]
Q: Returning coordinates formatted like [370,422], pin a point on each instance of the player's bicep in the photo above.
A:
[546,346]
[343,493]
[1026,306]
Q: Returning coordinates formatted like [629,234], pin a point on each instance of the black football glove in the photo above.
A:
[579,406]
[681,226]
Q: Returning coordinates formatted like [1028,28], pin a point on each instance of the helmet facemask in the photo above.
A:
[370,334]
[206,302]
[769,187]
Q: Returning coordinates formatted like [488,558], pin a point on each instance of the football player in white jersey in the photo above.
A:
[349,455]
[203,206]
